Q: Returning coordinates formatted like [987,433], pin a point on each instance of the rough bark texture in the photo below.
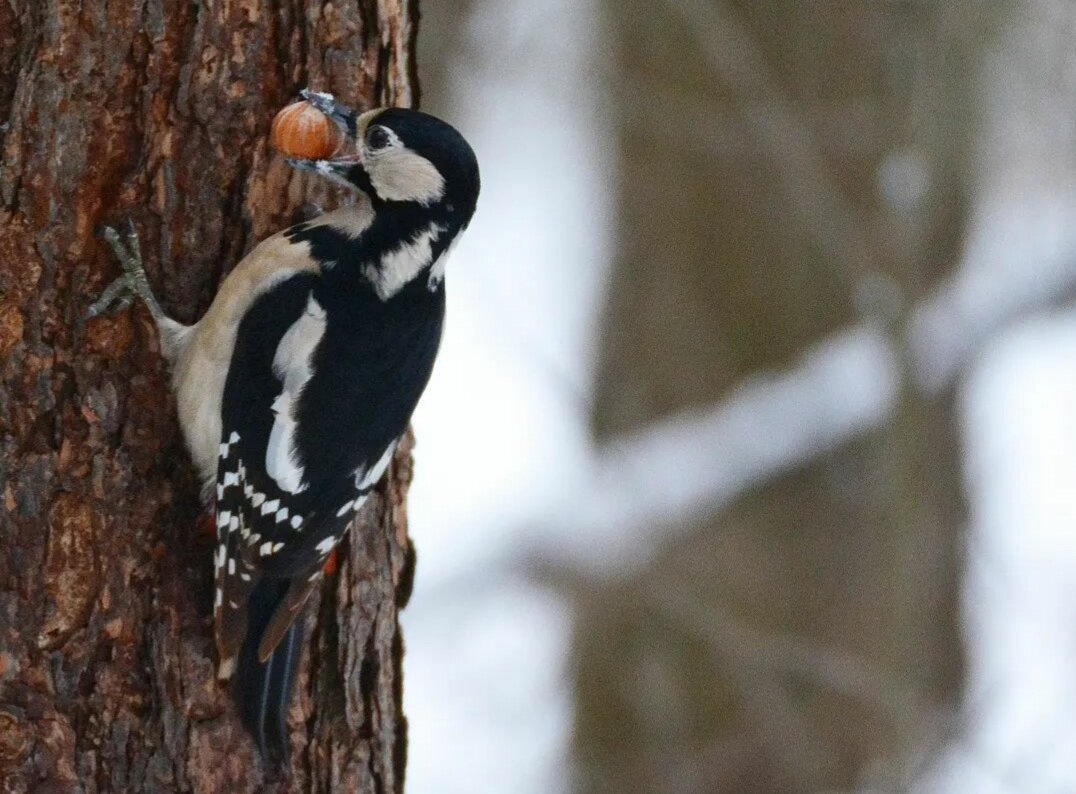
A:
[158,111]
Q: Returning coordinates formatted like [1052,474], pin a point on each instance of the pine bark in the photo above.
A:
[157,111]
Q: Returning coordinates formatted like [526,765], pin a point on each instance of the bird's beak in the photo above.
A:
[338,166]
[346,120]
[340,115]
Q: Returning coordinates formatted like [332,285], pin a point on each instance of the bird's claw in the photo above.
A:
[119,295]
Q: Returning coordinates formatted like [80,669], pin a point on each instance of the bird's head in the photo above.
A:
[400,157]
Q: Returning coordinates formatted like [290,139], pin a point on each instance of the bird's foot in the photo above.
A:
[118,295]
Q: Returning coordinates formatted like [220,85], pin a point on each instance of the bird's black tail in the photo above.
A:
[263,690]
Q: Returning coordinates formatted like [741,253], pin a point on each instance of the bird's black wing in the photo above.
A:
[268,525]
[318,392]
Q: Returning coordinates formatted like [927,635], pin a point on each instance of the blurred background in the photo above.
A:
[749,464]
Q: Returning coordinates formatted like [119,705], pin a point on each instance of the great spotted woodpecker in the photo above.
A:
[296,385]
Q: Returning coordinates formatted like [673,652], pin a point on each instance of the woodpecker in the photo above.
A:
[295,386]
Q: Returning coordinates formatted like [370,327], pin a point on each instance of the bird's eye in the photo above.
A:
[377,138]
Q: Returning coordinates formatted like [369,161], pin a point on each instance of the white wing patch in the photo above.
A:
[365,479]
[292,364]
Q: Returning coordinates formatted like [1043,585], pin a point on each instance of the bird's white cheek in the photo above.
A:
[399,174]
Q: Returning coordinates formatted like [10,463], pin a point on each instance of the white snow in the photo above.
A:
[503,449]
[501,430]
[1020,590]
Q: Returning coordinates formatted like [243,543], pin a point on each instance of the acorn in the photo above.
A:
[301,130]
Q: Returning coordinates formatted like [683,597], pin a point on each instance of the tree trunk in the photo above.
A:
[157,111]
[806,637]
